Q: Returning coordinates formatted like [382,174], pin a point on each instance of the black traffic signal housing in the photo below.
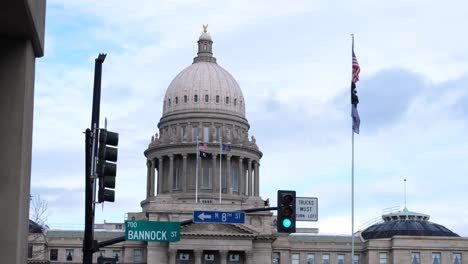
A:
[106,169]
[286,215]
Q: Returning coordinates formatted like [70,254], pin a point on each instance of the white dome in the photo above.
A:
[204,86]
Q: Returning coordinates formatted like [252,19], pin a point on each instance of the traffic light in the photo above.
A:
[106,167]
[286,217]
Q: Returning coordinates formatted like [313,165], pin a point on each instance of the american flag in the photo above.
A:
[202,146]
[356,69]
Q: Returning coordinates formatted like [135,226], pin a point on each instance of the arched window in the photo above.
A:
[217,99]
[235,101]
[176,100]
[206,98]
[169,102]
[185,99]
[227,99]
[195,98]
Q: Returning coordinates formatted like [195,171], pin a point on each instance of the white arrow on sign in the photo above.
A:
[203,216]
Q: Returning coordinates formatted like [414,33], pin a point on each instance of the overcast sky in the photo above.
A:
[292,60]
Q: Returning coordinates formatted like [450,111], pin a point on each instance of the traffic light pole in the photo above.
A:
[90,154]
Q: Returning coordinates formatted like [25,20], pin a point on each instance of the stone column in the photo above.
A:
[257,179]
[223,256]
[198,256]
[148,179]
[172,256]
[241,177]
[157,253]
[152,176]
[160,175]
[249,257]
[215,175]
[171,173]
[184,173]
[229,175]
[249,164]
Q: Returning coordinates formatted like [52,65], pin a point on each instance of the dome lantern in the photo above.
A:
[205,47]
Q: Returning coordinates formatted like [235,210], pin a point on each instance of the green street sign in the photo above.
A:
[152,231]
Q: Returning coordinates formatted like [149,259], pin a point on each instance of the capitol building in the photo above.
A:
[204,104]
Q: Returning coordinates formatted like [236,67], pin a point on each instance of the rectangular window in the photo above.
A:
[206,179]
[325,259]
[435,257]
[176,179]
[295,258]
[456,258]
[415,258]
[53,255]
[69,254]
[235,177]
[137,255]
[206,134]
[194,134]
[356,259]
[310,259]
[116,254]
[30,250]
[275,258]
[383,258]
[340,259]
[182,134]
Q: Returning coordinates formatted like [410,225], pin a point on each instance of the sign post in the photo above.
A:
[306,209]
[152,231]
[219,217]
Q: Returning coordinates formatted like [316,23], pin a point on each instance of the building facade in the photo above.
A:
[204,112]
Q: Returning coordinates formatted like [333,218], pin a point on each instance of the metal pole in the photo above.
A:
[220,162]
[352,168]
[196,173]
[91,151]
[88,235]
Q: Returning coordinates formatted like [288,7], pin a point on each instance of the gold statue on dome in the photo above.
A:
[205,28]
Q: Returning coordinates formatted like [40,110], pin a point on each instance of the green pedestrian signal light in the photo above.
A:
[286,214]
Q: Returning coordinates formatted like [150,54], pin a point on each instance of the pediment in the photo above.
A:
[217,230]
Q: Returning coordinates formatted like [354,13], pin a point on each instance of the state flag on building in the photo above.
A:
[225,147]
[202,148]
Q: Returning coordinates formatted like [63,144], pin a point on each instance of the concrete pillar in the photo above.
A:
[160,175]
[171,173]
[249,164]
[257,179]
[198,256]
[184,173]
[242,177]
[17,69]
[223,256]
[229,175]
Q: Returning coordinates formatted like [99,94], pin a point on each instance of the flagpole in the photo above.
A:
[220,162]
[352,166]
[196,173]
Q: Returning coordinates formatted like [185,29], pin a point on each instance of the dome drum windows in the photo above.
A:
[235,101]
[185,99]
[207,98]
[227,100]
[217,99]
[177,100]
[195,98]
[169,102]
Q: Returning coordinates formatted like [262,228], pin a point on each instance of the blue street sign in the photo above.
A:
[219,217]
